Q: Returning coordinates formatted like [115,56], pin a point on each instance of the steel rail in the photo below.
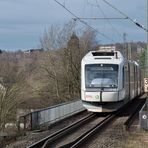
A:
[62,132]
[47,141]
[89,133]
[77,142]
[96,129]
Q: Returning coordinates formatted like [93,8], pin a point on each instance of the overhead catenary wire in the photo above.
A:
[106,18]
[101,10]
[83,22]
[125,15]
[95,18]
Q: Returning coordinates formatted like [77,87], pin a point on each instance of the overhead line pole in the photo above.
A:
[146,58]
[146,66]
[146,54]
[146,63]
[124,44]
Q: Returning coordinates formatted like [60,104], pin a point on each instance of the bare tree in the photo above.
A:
[62,65]
[88,40]
[13,87]
[57,37]
[10,97]
[51,67]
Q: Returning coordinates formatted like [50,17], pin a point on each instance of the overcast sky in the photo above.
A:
[22,22]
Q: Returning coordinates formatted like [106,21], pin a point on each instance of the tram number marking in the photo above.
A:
[146,81]
[145,84]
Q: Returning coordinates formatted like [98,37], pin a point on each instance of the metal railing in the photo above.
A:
[143,116]
[50,115]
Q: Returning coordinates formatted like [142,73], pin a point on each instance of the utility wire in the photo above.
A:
[133,21]
[117,32]
[83,22]
[101,18]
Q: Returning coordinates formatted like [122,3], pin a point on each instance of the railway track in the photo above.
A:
[79,132]
[85,136]
[88,126]
[116,133]
[63,131]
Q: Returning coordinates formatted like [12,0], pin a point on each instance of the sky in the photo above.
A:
[23,22]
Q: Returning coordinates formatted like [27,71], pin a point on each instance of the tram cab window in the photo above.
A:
[101,75]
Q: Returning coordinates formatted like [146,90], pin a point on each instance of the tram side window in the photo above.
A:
[123,79]
[126,75]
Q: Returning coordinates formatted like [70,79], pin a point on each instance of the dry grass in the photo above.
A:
[135,140]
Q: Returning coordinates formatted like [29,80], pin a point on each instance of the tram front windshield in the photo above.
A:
[101,76]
